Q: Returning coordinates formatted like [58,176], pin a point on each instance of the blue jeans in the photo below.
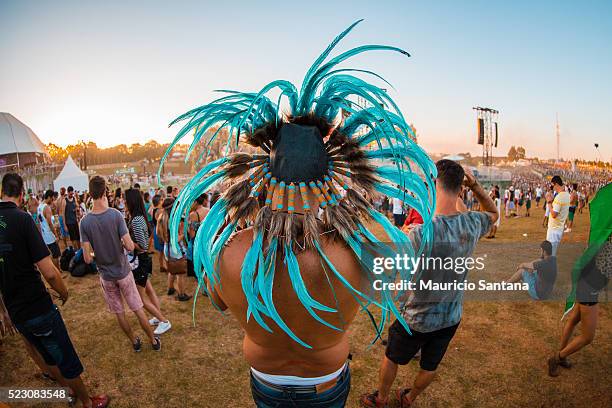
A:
[530,279]
[48,335]
[279,396]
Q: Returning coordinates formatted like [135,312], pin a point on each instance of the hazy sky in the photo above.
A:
[118,73]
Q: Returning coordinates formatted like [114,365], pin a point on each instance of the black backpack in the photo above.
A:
[81,269]
[65,259]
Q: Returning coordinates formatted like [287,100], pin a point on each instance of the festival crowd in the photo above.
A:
[115,233]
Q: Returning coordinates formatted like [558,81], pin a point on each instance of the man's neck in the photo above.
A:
[99,206]
[446,204]
[14,200]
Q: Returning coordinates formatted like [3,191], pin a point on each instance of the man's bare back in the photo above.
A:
[32,205]
[574,198]
[276,353]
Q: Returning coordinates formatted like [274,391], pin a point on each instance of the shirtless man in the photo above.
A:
[548,198]
[60,205]
[292,278]
[32,206]
[572,207]
[275,353]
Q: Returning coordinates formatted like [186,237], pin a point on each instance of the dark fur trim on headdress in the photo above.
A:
[277,225]
[262,137]
[336,138]
[311,120]
[311,229]
[247,210]
[340,219]
[237,194]
[357,201]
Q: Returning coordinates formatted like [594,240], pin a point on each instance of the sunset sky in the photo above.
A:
[116,73]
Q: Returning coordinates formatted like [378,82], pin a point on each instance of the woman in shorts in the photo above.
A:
[139,231]
[593,270]
[157,242]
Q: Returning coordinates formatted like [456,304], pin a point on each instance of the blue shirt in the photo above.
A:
[455,237]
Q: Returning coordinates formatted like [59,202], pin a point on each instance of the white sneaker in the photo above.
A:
[162,327]
[153,321]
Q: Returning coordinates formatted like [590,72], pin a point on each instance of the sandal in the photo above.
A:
[372,401]
[45,376]
[401,396]
[565,363]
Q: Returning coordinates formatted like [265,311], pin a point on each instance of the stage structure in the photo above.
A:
[22,151]
[488,136]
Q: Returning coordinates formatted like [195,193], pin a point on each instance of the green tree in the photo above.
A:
[512,154]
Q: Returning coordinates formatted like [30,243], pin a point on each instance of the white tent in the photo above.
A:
[71,175]
[18,144]
[455,157]
[15,137]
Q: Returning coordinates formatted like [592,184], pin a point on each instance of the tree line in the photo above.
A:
[91,154]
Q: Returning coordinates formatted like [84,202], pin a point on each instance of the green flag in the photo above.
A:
[600,210]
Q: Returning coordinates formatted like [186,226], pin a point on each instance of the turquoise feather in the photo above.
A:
[326,90]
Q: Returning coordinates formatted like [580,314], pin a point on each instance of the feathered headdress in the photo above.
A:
[328,146]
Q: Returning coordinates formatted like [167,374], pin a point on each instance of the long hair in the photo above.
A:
[134,203]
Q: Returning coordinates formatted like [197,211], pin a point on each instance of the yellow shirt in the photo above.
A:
[560,205]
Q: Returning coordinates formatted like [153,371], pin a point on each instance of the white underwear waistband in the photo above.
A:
[296,381]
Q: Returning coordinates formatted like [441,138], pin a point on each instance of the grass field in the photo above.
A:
[497,359]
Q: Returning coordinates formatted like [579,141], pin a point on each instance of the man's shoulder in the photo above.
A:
[238,243]
[89,217]
[15,213]
[470,221]
[467,216]
[562,196]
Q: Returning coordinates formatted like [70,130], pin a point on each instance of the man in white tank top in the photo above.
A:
[46,227]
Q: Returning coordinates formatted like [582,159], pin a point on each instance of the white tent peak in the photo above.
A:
[454,157]
[71,175]
[16,137]
[70,168]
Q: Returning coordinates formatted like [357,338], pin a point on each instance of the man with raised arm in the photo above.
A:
[434,316]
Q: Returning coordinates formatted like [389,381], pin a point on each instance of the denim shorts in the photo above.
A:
[279,396]
[47,333]
[530,279]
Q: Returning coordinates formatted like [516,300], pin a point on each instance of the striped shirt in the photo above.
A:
[140,231]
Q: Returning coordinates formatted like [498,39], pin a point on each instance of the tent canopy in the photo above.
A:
[71,175]
[454,157]
[15,137]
